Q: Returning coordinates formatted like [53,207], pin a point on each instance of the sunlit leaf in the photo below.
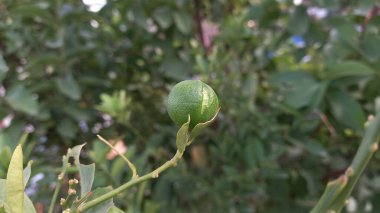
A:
[182,136]
[15,182]
[28,205]
[114,209]
[27,172]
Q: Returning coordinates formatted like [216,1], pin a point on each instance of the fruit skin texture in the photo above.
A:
[194,98]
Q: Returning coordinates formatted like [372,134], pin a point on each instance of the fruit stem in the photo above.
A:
[154,174]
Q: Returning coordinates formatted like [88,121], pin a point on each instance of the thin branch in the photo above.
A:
[154,174]
[129,163]
[372,13]
[326,122]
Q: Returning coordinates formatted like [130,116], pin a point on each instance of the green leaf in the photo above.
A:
[254,152]
[15,182]
[76,112]
[5,140]
[3,68]
[39,61]
[34,10]
[75,152]
[5,149]
[346,110]
[344,30]
[348,68]
[315,148]
[369,47]
[200,127]
[319,94]
[102,207]
[19,98]
[337,50]
[68,87]
[117,169]
[183,22]
[299,21]
[5,154]
[298,88]
[116,106]
[2,196]
[28,205]
[86,172]
[163,16]
[27,172]
[202,63]
[67,128]
[139,15]
[182,136]
[302,94]
[23,138]
[152,206]
[174,68]
[266,12]
[114,209]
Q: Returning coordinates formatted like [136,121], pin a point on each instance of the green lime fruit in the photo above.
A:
[194,98]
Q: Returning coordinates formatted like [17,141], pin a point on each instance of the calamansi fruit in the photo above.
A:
[194,98]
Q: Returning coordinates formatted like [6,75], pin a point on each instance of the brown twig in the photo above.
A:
[375,10]
[326,122]
[198,20]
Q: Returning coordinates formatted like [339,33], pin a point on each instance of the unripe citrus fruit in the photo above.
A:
[194,98]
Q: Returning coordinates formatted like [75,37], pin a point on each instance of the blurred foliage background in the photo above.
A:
[296,81]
